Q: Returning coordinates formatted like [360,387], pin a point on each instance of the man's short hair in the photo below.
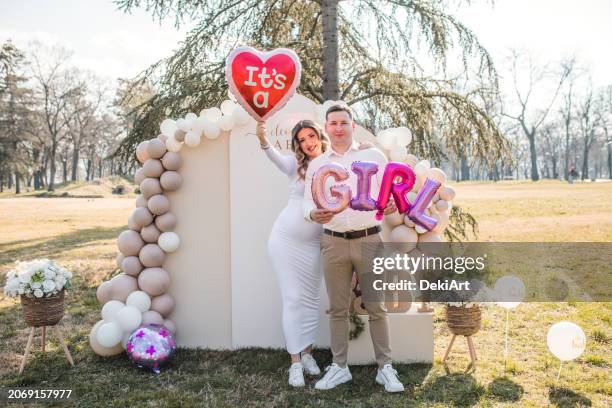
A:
[339,108]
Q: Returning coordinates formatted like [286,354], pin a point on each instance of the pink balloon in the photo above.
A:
[104,291]
[163,304]
[364,170]
[152,317]
[341,193]
[417,209]
[399,190]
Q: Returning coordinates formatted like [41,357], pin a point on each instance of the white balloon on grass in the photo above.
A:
[169,241]
[129,318]
[566,340]
[192,139]
[110,310]
[510,291]
[140,300]
[173,145]
[227,107]
[403,136]
[398,153]
[211,131]
[226,123]
[213,114]
[168,127]
[109,334]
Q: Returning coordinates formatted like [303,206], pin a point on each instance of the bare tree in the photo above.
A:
[588,127]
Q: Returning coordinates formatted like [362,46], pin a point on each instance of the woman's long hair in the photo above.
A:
[302,158]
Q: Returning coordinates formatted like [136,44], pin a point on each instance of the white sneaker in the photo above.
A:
[296,375]
[334,375]
[310,364]
[387,376]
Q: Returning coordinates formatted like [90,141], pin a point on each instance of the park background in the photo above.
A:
[495,106]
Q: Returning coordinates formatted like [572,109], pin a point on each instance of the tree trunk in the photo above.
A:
[10,180]
[1,182]
[65,171]
[17,183]
[100,167]
[51,184]
[610,160]
[534,157]
[585,160]
[554,168]
[331,90]
[465,169]
[75,161]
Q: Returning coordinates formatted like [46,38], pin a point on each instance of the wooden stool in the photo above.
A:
[471,348]
[58,333]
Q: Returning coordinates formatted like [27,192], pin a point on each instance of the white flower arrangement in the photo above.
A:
[38,278]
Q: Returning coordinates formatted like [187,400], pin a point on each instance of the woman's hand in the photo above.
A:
[261,133]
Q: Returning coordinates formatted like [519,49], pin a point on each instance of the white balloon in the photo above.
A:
[386,138]
[169,241]
[426,164]
[184,124]
[226,123]
[173,145]
[198,125]
[403,136]
[510,290]
[566,340]
[191,116]
[419,229]
[230,95]
[129,318]
[192,139]
[168,127]
[124,340]
[109,334]
[327,104]
[110,310]
[227,107]
[421,168]
[140,300]
[398,153]
[213,115]
[212,131]
[241,116]
[437,175]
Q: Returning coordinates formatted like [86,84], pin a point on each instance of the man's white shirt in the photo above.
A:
[348,219]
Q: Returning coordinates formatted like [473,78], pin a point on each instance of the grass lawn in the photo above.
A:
[80,234]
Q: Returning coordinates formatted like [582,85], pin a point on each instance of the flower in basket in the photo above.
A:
[38,278]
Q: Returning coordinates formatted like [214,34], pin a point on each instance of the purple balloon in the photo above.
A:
[151,346]
[422,200]
[364,170]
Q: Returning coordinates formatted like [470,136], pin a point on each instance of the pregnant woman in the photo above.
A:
[294,248]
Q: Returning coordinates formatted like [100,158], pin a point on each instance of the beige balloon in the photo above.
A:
[154,281]
[152,317]
[408,222]
[162,137]
[153,168]
[130,243]
[151,255]
[156,148]
[159,204]
[150,233]
[142,216]
[437,175]
[97,347]
[150,187]
[404,235]
[170,325]
[142,153]
[123,285]
[430,236]
[171,181]
[394,219]
[411,160]
[163,304]
[133,225]
[166,222]
[141,201]
[179,135]
[442,205]
[139,175]
[119,259]
[172,161]
[131,266]
[103,293]
[447,193]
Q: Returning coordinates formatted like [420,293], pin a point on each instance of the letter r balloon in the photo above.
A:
[399,190]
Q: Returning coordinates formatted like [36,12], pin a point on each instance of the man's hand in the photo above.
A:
[321,216]
[390,208]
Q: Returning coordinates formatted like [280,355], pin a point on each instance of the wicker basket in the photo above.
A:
[463,321]
[45,311]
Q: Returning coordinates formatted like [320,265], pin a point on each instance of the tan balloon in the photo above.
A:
[150,233]
[179,135]
[442,205]
[162,137]
[156,148]
[133,225]
[159,204]
[97,347]
[430,236]
[149,187]
[123,285]
[447,193]
[437,175]
[141,201]
[172,161]
[171,181]
[142,216]
[163,304]
[103,293]
[166,222]
[405,235]
[139,175]
[411,160]
[131,266]
[153,168]
[170,325]
[152,317]
[119,259]
[142,153]
[408,222]
[151,255]
[130,243]
[394,219]
[154,281]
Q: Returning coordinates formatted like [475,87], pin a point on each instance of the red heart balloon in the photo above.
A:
[262,82]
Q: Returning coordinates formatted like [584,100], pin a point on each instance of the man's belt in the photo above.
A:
[353,234]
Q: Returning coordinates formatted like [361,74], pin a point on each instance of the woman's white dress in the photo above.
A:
[294,248]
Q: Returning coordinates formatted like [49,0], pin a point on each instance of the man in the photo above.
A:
[348,244]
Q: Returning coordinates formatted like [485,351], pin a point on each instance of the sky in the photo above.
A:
[114,44]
